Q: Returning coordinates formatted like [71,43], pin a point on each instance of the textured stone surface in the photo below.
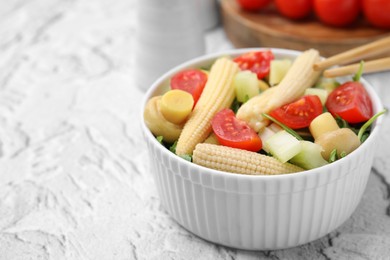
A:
[74,181]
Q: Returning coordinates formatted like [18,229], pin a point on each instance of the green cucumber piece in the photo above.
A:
[283,146]
[246,85]
[264,135]
[278,69]
[310,156]
[321,93]
[327,83]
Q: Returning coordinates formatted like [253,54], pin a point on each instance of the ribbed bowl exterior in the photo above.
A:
[261,212]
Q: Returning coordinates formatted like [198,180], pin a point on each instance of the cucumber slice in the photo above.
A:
[309,157]
[275,127]
[283,146]
[246,85]
[278,70]
[327,84]
[264,135]
[321,93]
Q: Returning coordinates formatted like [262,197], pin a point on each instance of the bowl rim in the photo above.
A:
[377,106]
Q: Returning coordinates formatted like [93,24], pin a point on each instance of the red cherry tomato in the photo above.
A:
[235,133]
[190,80]
[351,102]
[336,12]
[253,5]
[294,9]
[257,62]
[377,12]
[300,113]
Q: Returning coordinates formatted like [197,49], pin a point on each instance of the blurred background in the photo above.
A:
[75,181]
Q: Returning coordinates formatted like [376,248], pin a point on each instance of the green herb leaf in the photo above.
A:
[235,105]
[364,137]
[344,124]
[288,129]
[341,122]
[205,68]
[187,157]
[343,154]
[369,123]
[160,139]
[359,73]
[173,147]
[333,156]
[324,109]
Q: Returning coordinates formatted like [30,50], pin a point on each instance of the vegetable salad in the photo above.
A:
[306,120]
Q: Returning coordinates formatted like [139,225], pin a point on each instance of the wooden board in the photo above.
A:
[269,29]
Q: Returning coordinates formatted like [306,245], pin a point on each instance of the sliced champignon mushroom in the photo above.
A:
[344,140]
[327,133]
[157,124]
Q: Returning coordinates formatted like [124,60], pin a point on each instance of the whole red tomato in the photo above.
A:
[377,12]
[294,9]
[337,12]
[253,5]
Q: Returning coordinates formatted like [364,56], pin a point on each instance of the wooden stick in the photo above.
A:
[369,67]
[355,54]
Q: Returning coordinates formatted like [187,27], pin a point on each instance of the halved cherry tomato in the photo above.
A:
[294,9]
[257,62]
[235,133]
[300,113]
[253,5]
[190,80]
[351,102]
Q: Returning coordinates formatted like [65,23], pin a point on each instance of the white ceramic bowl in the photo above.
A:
[259,212]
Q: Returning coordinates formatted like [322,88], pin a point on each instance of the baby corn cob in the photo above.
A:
[217,94]
[298,78]
[234,160]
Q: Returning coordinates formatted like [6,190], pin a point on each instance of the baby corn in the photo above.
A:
[217,94]
[298,78]
[234,160]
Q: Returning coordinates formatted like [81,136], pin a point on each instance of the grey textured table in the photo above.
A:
[74,174]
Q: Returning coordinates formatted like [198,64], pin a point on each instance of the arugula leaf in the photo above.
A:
[369,123]
[160,139]
[173,147]
[344,124]
[364,137]
[341,122]
[187,157]
[235,105]
[333,156]
[359,73]
[288,129]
